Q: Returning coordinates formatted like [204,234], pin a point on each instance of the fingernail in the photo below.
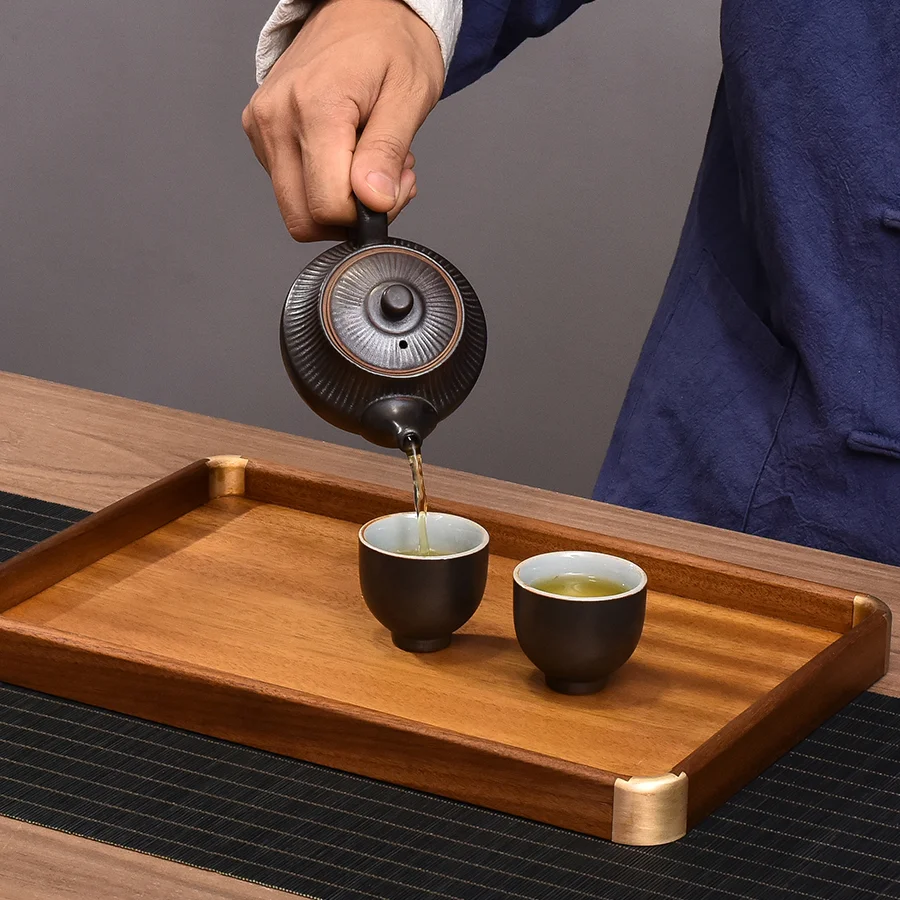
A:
[384,184]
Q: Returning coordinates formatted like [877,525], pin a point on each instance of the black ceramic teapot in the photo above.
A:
[382,337]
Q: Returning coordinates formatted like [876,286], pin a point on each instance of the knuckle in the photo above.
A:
[314,121]
[420,89]
[323,111]
[388,145]
[247,120]
[300,229]
[263,111]
[326,210]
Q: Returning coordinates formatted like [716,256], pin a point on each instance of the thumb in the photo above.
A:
[383,148]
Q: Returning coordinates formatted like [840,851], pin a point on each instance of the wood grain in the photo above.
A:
[271,594]
[285,721]
[40,864]
[114,527]
[519,537]
[242,619]
[778,721]
[88,449]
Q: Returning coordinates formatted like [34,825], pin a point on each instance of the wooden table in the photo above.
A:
[86,450]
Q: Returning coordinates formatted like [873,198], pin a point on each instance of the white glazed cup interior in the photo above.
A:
[398,535]
[580,562]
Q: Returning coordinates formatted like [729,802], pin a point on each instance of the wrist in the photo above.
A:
[443,18]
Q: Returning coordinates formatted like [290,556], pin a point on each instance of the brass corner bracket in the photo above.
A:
[226,476]
[865,605]
[648,811]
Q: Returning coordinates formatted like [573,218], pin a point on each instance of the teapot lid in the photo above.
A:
[392,310]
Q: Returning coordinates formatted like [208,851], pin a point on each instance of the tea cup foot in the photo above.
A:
[575,688]
[421,645]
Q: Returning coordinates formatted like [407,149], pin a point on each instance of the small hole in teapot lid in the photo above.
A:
[403,345]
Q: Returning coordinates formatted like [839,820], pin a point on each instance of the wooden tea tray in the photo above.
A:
[224,599]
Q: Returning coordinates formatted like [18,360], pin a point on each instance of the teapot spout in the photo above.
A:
[398,422]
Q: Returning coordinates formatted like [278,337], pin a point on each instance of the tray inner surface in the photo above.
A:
[271,593]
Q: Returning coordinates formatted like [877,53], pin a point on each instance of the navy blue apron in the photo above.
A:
[767,395]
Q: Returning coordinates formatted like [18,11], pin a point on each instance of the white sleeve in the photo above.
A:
[444,17]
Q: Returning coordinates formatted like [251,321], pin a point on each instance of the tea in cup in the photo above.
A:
[422,598]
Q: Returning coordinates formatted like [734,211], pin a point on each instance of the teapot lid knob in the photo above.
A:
[397,301]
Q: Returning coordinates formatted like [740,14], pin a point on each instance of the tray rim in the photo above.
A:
[643,810]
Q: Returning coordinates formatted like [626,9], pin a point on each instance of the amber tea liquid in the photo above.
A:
[420,499]
[580,586]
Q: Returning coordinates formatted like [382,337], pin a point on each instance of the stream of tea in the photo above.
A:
[414,452]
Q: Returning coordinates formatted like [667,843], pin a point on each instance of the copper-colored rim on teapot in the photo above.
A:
[338,344]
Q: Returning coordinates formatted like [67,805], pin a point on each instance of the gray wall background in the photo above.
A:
[141,252]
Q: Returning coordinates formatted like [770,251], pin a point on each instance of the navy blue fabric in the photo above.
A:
[492,29]
[767,395]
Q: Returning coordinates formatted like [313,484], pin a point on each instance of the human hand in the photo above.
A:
[338,111]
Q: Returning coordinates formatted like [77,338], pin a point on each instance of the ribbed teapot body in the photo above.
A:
[383,340]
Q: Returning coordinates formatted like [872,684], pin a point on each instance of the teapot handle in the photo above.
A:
[371,227]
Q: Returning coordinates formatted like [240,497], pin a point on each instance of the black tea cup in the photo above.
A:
[578,641]
[422,600]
